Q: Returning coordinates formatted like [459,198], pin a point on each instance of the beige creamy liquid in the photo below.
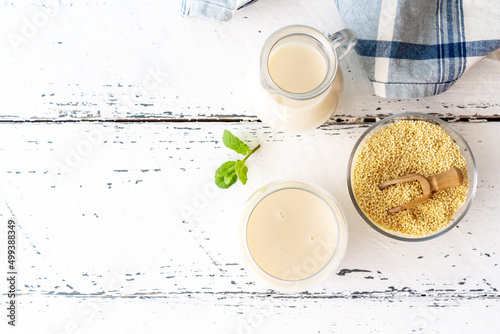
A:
[291,234]
[297,67]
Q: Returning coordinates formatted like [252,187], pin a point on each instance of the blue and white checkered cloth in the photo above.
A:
[408,48]
[418,48]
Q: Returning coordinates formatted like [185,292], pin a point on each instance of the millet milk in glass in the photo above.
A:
[297,67]
[296,84]
[295,235]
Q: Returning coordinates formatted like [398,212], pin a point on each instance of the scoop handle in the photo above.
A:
[449,179]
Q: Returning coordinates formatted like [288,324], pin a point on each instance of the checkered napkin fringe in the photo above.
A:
[419,48]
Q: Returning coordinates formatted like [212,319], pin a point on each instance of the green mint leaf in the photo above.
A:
[234,143]
[241,171]
[229,180]
[225,175]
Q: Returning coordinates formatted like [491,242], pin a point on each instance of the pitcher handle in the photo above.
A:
[343,41]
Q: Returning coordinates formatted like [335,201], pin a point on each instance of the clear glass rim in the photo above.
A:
[412,116]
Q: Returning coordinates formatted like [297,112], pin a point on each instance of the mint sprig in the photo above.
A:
[227,174]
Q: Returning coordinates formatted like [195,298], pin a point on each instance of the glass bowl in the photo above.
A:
[280,248]
[464,150]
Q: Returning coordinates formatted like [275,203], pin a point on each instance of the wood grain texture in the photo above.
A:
[143,193]
[126,60]
[228,314]
[111,119]
[137,224]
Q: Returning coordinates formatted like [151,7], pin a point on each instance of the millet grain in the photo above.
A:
[402,148]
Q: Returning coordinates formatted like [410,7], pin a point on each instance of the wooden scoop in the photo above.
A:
[451,178]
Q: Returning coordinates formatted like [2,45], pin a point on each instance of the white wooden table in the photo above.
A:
[111,120]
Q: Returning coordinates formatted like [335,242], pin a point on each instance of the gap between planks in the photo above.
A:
[336,120]
[373,295]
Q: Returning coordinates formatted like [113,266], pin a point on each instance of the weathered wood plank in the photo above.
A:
[76,60]
[227,313]
[135,205]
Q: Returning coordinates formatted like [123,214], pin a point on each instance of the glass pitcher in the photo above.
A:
[296,102]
